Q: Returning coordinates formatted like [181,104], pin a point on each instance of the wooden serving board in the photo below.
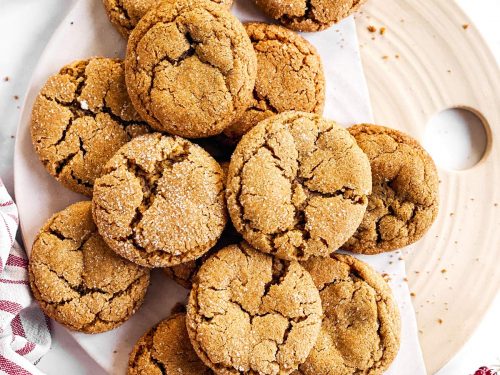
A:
[425,62]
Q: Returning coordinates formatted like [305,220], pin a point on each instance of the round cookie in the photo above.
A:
[289,76]
[166,349]
[190,68]
[160,201]
[311,15]
[361,328]
[251,313]
[80,118]
[125,14]
[405,198]
[77,279]
[297,186]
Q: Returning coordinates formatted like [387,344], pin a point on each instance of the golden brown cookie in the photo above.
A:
[289,76]
[80,118]
[405,198]
[124,14]
[250,313]
[297,186]
[77,279]
[309,15]
[190,68]
[360,333]
[160,201]
[166,349]
[184,273]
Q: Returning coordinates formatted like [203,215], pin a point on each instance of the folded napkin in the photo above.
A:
[24,329]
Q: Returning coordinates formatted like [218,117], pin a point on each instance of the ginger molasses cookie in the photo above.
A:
[289,76]
[80,118]
[297,186]
[360,333]
[124,14]
[312,15]
[77,279]
[190,68]
[251,313]
[405,198]
[166,349]
[160,201]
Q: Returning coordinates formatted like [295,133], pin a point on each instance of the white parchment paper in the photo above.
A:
[87,32]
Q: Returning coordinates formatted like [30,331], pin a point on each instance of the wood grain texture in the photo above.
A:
[425,62]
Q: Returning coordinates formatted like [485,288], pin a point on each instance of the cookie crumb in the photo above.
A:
[6,79]
[115,351]
[465,26]
[397,56]
[449,71]
[412,294]
[451,214]
[495,205]
[440,321]
[405,279]
[385,57]
[16,97]
[382,30]
[444,270]
[12,136]
[371,28]
[71,23]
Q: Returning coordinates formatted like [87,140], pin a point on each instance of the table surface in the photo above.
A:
[19,57]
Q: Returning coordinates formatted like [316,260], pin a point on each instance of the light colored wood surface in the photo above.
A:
[441,65]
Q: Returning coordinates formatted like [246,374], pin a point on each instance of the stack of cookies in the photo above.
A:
[248,214]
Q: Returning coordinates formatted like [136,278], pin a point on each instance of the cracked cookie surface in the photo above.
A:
[297,186]
[166,349]
[190,68]
[125,14]
[250,313]
[309,15]
[289,76]
[361,327]
[405,198]
[80,118]
[77,279]
[160,201]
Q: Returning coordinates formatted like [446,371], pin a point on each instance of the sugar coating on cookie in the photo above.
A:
[297,186]
[289,76]
[190,68]
[361,328]
[405,198]
[77,279]
[309,15]
[80,118]
[251,313]
[166,349]
[160,201]
[125,14]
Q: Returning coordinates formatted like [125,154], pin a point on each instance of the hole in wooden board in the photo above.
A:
[456,138]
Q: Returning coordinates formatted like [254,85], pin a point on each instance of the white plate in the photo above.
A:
[86,32]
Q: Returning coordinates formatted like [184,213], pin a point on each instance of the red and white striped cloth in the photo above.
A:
[24,329]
